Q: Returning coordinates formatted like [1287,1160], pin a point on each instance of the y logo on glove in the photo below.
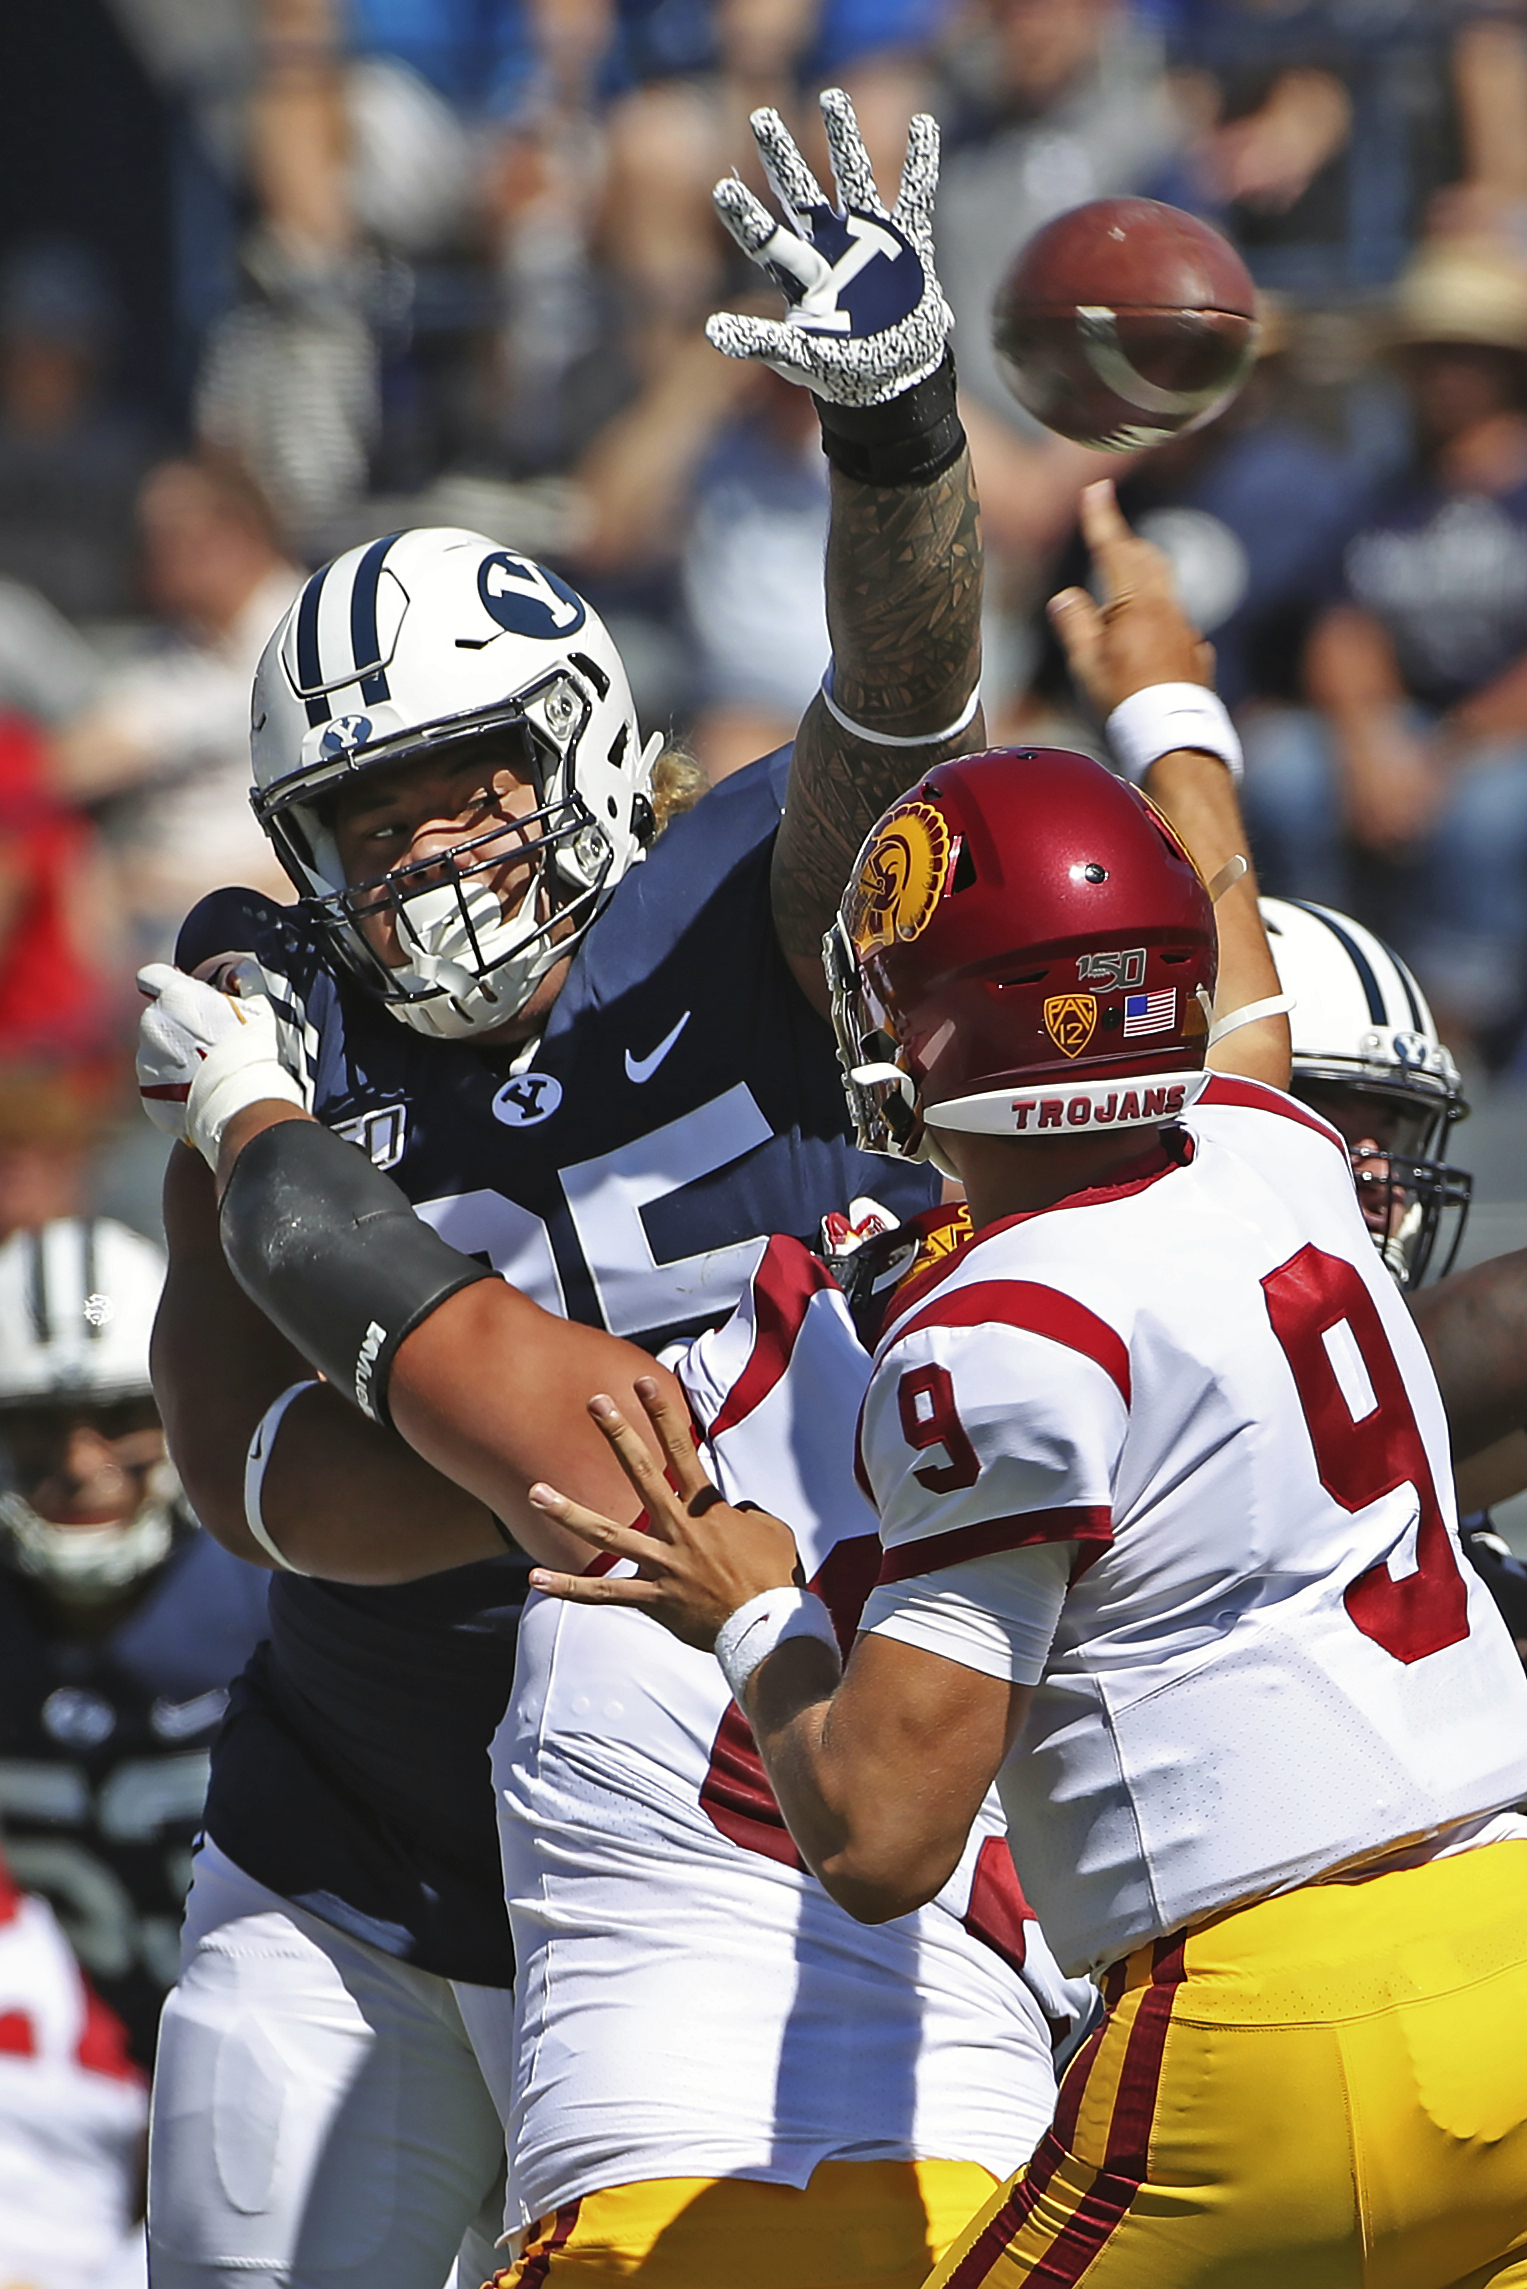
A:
[850,248]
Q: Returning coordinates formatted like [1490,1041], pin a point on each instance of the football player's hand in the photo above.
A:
[206,1051]
[867,317]
[698,1561]
[1137,634]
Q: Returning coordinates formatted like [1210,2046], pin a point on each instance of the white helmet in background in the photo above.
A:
[398,652]
[77,1304]
[1362,1031]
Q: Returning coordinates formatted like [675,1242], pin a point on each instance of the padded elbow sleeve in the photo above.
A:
[334,1256]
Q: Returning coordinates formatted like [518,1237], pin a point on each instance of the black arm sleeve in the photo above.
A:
[334,1256]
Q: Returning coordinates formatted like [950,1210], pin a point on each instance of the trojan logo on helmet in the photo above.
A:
[953,985]
[900,876]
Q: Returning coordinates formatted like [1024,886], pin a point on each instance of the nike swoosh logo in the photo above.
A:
[642,1068]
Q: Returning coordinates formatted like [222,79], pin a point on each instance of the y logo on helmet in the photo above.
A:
[345,732]
[1071,1020]
[901,878]
[527,599]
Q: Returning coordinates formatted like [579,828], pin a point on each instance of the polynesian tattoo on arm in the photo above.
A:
[904,611]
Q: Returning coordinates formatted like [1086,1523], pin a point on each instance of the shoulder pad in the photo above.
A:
[227,922]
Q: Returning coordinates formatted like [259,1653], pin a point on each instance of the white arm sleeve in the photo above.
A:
[996,1615]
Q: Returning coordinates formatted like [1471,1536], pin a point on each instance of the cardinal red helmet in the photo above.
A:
[1025,948]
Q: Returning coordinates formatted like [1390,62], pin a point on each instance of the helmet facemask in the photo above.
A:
[472,958]
[1414,1203]
[881,1093]
[84,1565]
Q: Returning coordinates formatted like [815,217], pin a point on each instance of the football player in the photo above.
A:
[715,2074]
[595,1056]
[73,2110]
[1164,1492]
[680,2042]
[121,1623]
[1366,1054]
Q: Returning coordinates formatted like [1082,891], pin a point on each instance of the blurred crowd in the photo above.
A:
[446,261]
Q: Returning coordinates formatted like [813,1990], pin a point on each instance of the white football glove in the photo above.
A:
[868,318]
[206,1051]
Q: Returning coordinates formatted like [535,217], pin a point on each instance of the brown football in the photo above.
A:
[1125,322]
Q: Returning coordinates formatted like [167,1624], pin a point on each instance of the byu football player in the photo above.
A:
[121,1623]
[593,1054]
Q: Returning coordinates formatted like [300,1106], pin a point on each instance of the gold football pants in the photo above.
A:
[1325,2091]
[856,2225]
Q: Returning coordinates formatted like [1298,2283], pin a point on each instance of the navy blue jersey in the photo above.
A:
[104,1757]
[683,1103]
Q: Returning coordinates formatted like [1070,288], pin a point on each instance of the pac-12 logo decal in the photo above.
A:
[527,599]
[1071,1020]
[345,732]
[527,1099]
[901,877]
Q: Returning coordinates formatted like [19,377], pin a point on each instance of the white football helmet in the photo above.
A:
[401,650]
[1361,1026]
[77,1304]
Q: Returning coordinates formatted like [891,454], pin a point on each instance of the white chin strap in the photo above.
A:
[434,933]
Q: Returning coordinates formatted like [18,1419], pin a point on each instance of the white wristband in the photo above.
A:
[261,1447]
[751,1634]
[227,1080]
[1163,718]
[962,722]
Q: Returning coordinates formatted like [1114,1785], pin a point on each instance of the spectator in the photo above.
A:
[1249,575]
[73,2112]
[1047,103]
[1418,759]
[163,750]
[1324,134]
[49,1128]
[718,469]
[59,940]
[69,461]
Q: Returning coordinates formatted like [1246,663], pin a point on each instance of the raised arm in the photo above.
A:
[1140,637]
[866,331]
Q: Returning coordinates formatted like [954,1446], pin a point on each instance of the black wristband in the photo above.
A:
[909,440]
[334,1256]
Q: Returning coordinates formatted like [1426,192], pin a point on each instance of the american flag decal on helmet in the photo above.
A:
[1150,1013]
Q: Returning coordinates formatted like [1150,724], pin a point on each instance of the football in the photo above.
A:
[1125,322]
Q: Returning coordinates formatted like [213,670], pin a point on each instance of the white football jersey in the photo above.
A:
[1172,1452]
[73,2112]
[689,2001]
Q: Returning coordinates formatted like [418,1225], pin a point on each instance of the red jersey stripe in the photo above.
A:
[991,1535]
[1257,1097]
[783,1286]
[1037,1310]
